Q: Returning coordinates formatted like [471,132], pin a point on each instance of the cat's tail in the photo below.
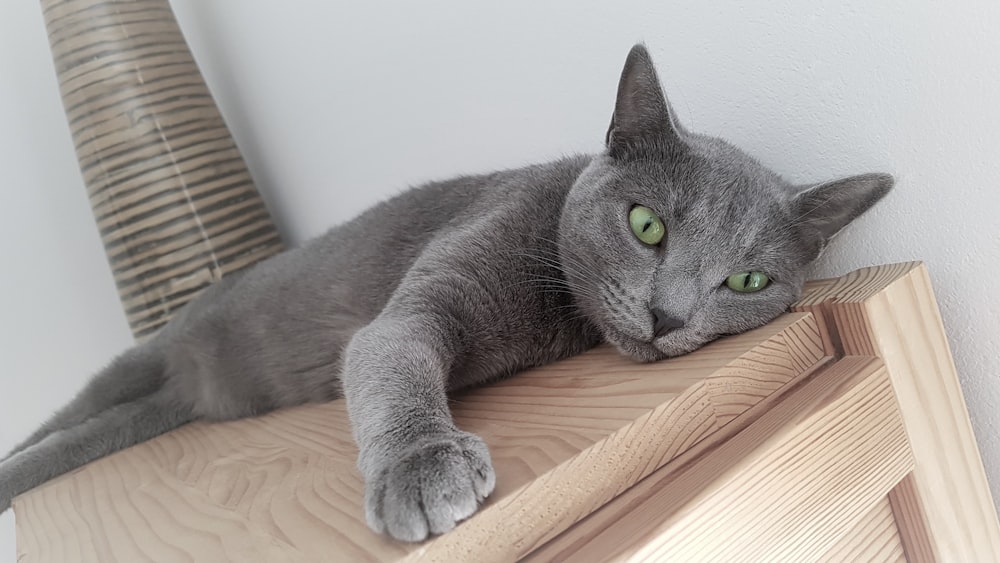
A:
[136,373]
[121,406]
[115,429]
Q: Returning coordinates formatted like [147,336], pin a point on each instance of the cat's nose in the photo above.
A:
[664,323]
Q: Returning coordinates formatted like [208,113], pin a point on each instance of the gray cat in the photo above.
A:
[661,243]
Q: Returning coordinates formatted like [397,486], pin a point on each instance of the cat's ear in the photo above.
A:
[643,116]
[821,211]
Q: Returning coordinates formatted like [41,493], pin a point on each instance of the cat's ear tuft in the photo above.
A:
[822,211]
[642,116]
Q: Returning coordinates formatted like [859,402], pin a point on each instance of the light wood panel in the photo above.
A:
[874,539]
[786,488]
[782,443]
[890,312]
[911,521]
[564,439]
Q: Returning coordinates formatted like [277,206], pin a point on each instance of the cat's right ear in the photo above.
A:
[643,117]
[820,212]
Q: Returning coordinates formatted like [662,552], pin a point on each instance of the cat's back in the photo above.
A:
[354,268]
[415,216]
[382,243]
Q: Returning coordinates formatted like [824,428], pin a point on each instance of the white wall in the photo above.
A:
[337,104]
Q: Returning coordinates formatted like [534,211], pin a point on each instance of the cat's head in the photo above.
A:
[670,239]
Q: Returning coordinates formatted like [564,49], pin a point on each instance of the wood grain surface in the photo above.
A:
[911,522]
[801,440]
[787,488]
[890,312]
[875,538]
[565,439]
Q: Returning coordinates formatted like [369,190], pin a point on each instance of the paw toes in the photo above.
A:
[430,488]
[374,501]
[445,508]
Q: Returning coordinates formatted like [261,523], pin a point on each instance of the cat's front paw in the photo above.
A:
[429,487]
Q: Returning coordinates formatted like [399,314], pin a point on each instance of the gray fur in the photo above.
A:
[462,282]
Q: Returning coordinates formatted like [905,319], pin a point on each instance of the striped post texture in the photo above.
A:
[172,197]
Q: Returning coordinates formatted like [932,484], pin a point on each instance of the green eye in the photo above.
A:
[646,226]
[747,282]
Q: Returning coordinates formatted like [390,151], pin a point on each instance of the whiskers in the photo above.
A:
[546,271]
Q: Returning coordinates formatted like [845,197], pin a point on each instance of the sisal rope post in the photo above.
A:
[174,202]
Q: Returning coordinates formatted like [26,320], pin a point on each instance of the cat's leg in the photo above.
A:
[422,474]
[61,451]
[135,373]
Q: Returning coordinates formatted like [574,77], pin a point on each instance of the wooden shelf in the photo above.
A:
[782,443]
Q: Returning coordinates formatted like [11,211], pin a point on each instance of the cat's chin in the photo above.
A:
[646,352]
[640,352]
[643,352]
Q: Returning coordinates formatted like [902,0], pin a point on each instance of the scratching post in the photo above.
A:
[172,197]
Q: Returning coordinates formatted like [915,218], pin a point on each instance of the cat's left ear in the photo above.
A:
[823,210]
[643,116]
